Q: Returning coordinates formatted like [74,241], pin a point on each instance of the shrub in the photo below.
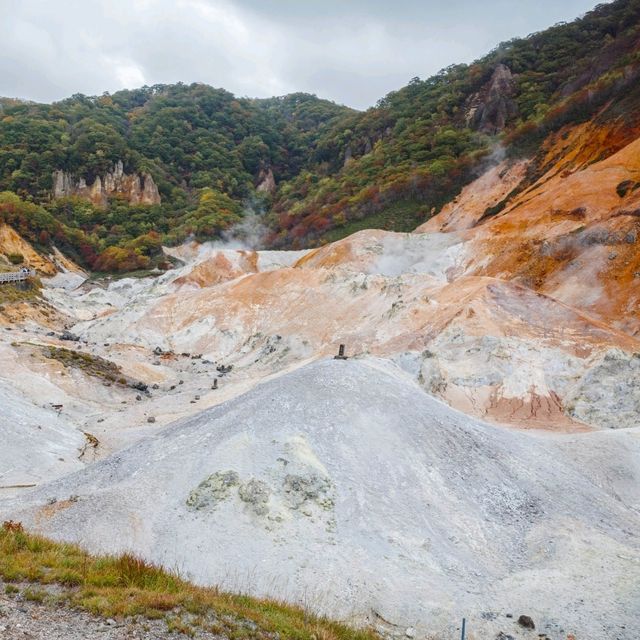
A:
[15,258]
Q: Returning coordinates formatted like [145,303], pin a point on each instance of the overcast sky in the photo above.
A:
[350,51]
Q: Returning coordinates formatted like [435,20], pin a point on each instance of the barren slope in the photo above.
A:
[344,485]
[349,484]
[573,234]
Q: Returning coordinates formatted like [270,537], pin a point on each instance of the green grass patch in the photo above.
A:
[122,586]
[15,258]
[86,362]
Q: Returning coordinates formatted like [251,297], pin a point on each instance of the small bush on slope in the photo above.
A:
[16,258]
[119,586]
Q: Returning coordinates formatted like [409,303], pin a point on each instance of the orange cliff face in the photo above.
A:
[50,265]
[573,234]
[12,243]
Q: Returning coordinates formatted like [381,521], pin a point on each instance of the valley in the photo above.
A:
[279,368]
[204,417]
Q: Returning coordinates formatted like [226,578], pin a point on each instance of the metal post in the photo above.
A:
[464,628]
[340,355]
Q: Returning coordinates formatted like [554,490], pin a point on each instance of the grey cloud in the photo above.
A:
[352,52]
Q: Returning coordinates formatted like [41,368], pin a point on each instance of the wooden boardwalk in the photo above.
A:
[17,276]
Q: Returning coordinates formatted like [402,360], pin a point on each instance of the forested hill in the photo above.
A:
[396,164]
[188,136]
[109,178]
[205,149]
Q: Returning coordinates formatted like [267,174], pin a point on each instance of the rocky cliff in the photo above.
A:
[266,181]
[135,188]
[493,106]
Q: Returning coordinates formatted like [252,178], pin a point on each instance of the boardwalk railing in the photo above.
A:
[17,276]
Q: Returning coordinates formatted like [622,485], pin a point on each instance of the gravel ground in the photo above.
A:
[22,619]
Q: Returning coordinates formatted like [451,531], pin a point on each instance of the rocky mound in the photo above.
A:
[345,486]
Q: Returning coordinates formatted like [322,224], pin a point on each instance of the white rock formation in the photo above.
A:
[136,188]
[345,486]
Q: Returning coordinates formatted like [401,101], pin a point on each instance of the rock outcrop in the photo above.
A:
[490,109]
[348,156]
[266,181]
[135,188]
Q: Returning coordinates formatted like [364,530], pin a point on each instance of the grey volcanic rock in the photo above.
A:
[214,489]
[343,485]
[491,108]
[609,392]
[256,494]
[35,442]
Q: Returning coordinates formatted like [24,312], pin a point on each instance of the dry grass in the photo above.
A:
[122,586]
[25,291]
[91,365]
